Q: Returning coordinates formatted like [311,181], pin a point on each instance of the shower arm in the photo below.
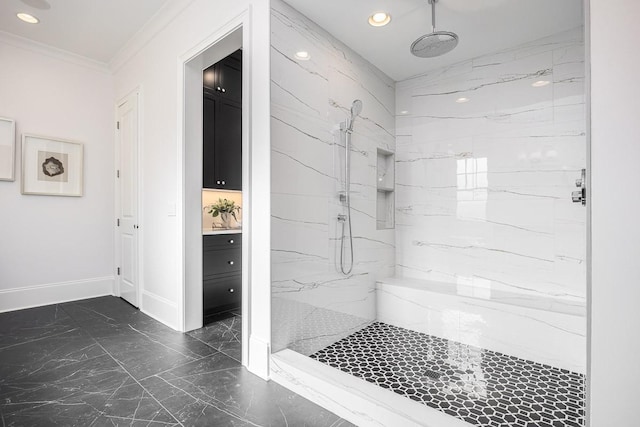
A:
[433,15]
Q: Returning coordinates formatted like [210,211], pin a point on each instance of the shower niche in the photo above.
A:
[385,184]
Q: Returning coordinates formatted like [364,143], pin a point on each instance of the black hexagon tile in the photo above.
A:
[479,386]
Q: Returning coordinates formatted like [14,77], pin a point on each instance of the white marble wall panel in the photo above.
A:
[483,187]
[309,100]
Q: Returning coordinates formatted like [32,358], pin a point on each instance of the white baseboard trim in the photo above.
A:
[357,401]
[160,308]
[258,359]
[54,293]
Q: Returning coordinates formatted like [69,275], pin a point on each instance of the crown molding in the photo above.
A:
[53,52]
[167,13]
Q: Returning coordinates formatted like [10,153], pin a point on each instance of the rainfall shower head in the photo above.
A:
[435,43]
[356,109]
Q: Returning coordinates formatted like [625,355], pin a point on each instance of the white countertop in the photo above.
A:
[212,231]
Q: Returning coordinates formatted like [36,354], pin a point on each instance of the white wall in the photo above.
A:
[56,248]
[153,61]
[615,209]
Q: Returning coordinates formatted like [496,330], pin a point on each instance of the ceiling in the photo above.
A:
[95,29]
[98,29]
[484,26]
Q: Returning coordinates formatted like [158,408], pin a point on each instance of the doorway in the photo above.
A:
[215,51]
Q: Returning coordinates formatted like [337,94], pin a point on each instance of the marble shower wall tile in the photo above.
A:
[483,187]
[309,100]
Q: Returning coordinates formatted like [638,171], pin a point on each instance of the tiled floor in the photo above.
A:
[100,362]
[481,387]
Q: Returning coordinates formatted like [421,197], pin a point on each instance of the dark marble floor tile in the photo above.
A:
[141,344]
[111,316]
[133,403]
[112,421]
[224,335]
[145,357]
[41,359]
[101,362]
[78,394]
[22,326]
[43,420]
[214,389]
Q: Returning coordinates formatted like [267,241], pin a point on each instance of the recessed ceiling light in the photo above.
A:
[403,112]
[38,4]
[540,83]
[379,19]
[462,100]
[303,55]
[30,19]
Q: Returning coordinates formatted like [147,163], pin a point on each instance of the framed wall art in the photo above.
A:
[7,149]
[51,166]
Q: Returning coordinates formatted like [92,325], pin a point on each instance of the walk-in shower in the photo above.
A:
[346,238]
[428,248]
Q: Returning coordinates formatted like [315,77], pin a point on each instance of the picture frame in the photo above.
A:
[7,149]
[51,166]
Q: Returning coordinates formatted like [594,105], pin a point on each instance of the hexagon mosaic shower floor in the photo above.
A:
[479,386]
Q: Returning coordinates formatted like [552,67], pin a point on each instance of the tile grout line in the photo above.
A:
[138,382]
[41,338]
[175,367]
[215,349]
[209,404]
[124,369]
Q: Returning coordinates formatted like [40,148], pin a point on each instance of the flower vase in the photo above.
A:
[226,219]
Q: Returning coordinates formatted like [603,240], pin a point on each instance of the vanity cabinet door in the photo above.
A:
[220,294]
[221,262]
[221,274]
[228,146]
[208,140]
[222,124]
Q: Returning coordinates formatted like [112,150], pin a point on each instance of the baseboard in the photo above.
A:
[54,293]
[258,357]
[161,309]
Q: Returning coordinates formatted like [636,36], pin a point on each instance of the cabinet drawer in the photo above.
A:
[222,294]
[221,241]
[221,262]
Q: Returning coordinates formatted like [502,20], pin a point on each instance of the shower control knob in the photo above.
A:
[232,290]
[218,182]
[580,196]
[576,196]
[230,262]
[223,183]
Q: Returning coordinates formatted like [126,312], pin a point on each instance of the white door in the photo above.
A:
[127,193]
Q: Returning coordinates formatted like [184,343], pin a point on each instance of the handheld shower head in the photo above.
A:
[356,109]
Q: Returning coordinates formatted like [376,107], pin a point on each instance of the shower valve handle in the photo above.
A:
[580,196]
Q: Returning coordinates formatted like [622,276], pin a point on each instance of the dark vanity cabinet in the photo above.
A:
[221,274]
[222,124]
